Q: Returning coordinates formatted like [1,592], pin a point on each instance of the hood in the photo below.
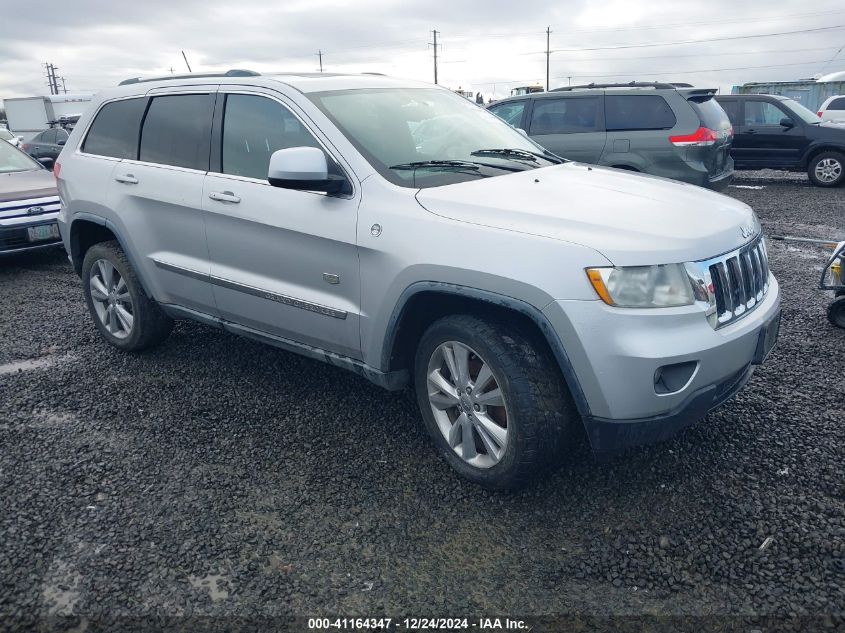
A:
[22,185]
[632,219]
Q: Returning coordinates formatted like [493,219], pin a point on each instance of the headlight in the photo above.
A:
[661,286]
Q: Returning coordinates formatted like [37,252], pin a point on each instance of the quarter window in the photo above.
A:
[253,128]
[177,131]
[48,136]
[837,104]
[114,132]
[638,112]
[565,116]
[510,113]
[762,113]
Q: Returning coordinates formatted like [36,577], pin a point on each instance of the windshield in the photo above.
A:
[800,111]
[12,159]
[426,137]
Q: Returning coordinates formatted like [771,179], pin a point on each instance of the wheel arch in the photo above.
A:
[424,302]
[815,150]
[87,229]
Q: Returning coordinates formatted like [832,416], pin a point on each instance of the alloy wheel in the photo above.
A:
[828,170]
[468,404]
[111,299]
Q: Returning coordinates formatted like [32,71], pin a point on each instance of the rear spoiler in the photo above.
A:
[698,95]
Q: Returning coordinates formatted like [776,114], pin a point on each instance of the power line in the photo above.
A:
[679,42]
[649,73]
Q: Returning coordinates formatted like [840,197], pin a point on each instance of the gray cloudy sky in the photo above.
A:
[488,45]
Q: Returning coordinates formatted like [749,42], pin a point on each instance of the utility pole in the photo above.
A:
[320,55]
[171,70]
[64,87]
[186,62]
[548,53]
[434,32]
[51,78]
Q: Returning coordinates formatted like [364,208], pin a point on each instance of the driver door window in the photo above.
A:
[253,128]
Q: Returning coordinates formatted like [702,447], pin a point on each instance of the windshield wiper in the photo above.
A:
[462,164]
[517,153]
[457,165]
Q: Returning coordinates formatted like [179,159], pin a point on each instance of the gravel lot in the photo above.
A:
[217,476]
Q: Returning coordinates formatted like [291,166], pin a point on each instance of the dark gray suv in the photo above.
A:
[655,128]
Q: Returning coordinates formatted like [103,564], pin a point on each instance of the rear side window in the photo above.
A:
[734,111]
[48,136]
[114,132]
[565,116]
[711,114]
[255,127]
[837,104]
[177,131]
[510,113]
[638,112]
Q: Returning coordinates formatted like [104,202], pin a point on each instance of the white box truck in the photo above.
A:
[27,116]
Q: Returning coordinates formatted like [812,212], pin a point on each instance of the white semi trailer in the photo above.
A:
[27,116]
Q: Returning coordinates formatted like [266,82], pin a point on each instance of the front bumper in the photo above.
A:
[14,236]
[616,355]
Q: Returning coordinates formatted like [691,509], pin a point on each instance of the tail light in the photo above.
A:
[57,169]
[820,113]
[702,137]
[25,147]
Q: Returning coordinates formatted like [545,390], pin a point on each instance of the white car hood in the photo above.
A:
[632,219]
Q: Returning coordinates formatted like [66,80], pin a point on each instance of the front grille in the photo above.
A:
[740,281]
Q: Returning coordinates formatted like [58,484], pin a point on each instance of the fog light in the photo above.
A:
[674,378]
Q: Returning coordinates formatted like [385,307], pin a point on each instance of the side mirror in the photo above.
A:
[523,132]
[20,138]
[787,122]
[46,161]
[304,169]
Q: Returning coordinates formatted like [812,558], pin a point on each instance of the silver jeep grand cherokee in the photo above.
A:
[396,229]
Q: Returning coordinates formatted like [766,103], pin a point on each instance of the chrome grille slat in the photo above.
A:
[740,281]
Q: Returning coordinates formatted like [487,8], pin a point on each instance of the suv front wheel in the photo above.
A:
[827,169]
[125,316]
[493,401]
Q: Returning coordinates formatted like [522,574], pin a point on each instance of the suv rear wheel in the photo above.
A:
[827,169]
[494,403]
[123,313]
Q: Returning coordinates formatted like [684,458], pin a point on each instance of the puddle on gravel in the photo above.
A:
[213,583]
[61,593]
[33,363]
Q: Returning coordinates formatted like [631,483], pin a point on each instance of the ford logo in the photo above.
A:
[34,210]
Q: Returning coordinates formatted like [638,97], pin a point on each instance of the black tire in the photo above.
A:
[836,157]
[150,325]
[541,416]
[836,312]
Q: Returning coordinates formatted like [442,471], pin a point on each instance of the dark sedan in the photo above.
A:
[29,203]
[47,144]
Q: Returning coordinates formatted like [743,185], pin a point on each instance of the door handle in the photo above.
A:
[224,196]
[127,179]
[751,131]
